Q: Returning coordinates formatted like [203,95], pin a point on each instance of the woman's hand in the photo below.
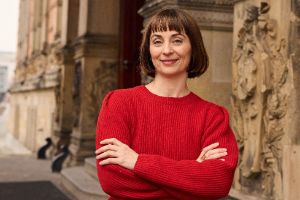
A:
[211,152]
[116,152]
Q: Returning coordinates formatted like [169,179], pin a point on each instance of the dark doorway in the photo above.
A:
[131,25]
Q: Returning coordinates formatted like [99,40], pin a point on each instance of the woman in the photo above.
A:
[161,141]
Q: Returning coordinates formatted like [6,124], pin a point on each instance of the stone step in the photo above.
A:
[90,167]
[81,185]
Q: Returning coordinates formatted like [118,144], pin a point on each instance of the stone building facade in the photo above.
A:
[7,66]
[62,47]
[72,52]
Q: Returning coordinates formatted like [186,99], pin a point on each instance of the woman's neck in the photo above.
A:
[168,87]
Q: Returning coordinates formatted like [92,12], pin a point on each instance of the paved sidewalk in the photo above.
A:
[18,168]
[17,163]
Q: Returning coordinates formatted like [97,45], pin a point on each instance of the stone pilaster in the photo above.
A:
[63,117]
[264,99]
[95,73]
[291,147]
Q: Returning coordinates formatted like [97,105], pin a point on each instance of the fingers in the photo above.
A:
[115,152]
[216,151]
[106,148]
[111,141]
[215,156]
[109,149]
[109,154]
[206,149]
[210,147]
[211,152]
[109,161]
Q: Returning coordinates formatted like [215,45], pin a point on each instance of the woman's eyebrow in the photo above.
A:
[156,35]
[178,34]
[173,35]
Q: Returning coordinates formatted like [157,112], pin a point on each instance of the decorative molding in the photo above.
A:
[96,45]
[100,39]
[237,1]
[213,20]
[153,6]
[208,5]
[44,80]
[39,72]
[209,14]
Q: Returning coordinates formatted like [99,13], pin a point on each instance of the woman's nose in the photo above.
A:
[167,48]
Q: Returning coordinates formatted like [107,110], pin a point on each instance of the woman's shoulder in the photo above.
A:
[121,95]
[211,108]
[124,92]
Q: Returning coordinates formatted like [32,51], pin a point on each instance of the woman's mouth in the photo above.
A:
[169,61]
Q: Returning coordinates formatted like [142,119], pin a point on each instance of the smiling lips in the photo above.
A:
[169,61]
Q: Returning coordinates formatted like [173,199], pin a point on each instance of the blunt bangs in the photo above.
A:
[167,21]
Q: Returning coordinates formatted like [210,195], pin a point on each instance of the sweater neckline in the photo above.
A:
[182,100]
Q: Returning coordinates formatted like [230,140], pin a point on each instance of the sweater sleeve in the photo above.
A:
[188,179]
[118,182]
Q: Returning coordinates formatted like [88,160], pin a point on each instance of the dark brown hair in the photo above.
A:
[180,21]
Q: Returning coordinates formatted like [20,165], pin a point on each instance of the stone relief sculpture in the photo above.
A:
[103,80]
[259,101]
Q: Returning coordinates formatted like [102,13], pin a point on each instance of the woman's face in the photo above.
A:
[170,53]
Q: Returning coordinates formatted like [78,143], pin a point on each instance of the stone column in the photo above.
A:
[64,119]
[44,25]
[96,57]
[265,95]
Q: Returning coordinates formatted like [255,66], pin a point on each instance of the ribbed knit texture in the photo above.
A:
[168,134]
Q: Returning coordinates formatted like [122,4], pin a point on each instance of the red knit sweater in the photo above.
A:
[168,134]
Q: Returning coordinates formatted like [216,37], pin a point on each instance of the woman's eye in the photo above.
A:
[157,42]
[177,41]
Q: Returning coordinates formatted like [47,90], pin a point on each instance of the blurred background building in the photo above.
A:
[7,66]
[72,52]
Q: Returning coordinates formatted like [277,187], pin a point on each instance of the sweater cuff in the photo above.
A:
[142,162]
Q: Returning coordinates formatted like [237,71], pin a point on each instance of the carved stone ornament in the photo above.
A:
[215,18]
[103,80]
[259,102]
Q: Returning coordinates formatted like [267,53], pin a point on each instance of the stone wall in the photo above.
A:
[29,117]
[215,84]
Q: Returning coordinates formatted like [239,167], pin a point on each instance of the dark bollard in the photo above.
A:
[59,159]
[41,154]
